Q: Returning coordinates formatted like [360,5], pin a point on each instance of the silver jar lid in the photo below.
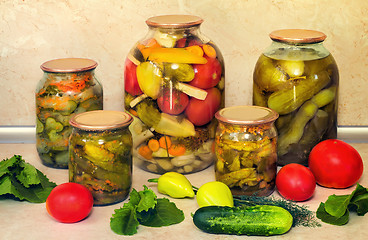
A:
[101,120]
[67,65]
[247,115]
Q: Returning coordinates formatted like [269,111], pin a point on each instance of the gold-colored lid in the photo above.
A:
[66,65]
[247,115]
[174,21]
[297,36]
[100,120]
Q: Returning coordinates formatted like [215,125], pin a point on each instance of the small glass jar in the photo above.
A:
[68,87]
[298,78]
[174,84]
[246,150]
[101,154]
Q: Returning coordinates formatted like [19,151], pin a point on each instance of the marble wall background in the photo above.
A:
[34,31]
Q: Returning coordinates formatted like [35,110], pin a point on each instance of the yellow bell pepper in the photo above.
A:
[175,55]
[214,194]
[174,185]
[149,78]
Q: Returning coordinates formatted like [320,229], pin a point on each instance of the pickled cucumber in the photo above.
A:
[296,127]
[310,77]
[313,133]
[178,71]
[324,97]
[287,100]
[269,77]
[292,68]
[258,98]
[52,124]
[39,126]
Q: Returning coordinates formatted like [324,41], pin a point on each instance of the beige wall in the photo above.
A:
[32,32]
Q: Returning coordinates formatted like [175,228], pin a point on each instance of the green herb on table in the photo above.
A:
[337,207]
[23,181]
[146,209]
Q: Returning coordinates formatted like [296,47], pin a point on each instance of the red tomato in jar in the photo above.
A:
[335,164]
[130,79]
[295,182]
[187,42]
[69,202]
[207,75]
[172,101]
[200,112]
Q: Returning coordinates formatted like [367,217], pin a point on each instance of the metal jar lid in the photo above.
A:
[174,21]
[100,120]
[247,115]
[67,65]
[297,36]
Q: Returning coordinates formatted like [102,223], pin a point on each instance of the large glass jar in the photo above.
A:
[68,86]
[246,150]
[101,154]
[174,84]
[298,78]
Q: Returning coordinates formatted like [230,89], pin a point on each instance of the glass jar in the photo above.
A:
[174,84]
[246,150]
[68,86]
[298,78]
[101,154]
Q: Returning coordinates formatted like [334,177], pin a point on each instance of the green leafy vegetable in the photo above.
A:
[23,181]
[146,209]
[336,209]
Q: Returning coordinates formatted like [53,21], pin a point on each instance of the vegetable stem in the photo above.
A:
[154,180]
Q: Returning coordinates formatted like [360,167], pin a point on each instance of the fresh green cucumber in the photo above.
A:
[260,220]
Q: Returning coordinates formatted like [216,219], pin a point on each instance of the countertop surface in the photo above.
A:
[24,220]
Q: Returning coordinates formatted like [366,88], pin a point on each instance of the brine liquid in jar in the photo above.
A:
[246,150]
[101,154]
[174,84]
[298,78]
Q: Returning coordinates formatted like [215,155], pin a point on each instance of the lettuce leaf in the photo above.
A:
[22,181]
[336,209]
[144,208]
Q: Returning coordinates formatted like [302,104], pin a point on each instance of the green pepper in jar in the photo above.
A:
[246,157]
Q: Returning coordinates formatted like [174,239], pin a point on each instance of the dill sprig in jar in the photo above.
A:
[101,154]
[246,149]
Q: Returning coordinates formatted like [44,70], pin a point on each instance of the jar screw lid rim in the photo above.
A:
[246,115]
[101,120]
[67,65]
[297,36]
[174,21]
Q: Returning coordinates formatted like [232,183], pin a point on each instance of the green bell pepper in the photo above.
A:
[174,185]
[214,194]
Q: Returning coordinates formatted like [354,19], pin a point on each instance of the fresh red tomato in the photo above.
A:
[200,112]
[187,42]
[172,101]
[130,79]
[207,75]
[69,202]
[295,182]
[335,164]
